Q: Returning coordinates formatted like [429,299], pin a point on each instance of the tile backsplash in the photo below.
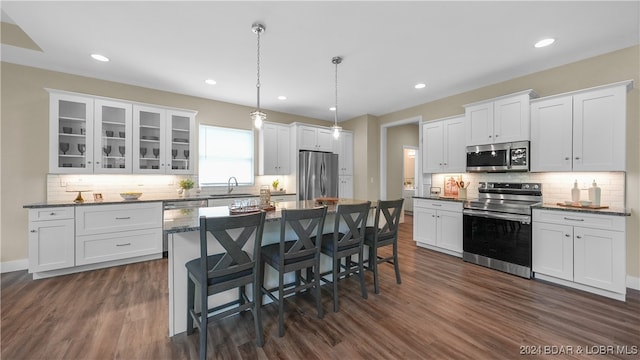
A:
[556,187]
[62,188]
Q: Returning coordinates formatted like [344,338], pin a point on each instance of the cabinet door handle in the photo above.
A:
[123,218]
[489,136]
[127,244]
[577,157]
[567,158]
[34,231]
[567,235]
[573,219]
[578,237]
[497,135]
[52,214]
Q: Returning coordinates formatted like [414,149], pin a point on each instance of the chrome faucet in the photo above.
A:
[229,188]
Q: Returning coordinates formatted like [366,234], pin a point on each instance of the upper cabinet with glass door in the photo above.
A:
[180,135]
[163,140]
[112,137]
[70,133]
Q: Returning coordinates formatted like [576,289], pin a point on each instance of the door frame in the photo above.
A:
[383,152]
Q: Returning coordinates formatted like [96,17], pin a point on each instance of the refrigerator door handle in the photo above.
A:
[323,178]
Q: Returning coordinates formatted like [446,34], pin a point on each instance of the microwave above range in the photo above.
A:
[503,157]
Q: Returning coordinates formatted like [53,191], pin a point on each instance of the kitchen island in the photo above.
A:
[182,229]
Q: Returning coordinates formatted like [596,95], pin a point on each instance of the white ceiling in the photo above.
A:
[387,46]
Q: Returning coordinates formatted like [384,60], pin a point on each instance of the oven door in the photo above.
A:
[498,240]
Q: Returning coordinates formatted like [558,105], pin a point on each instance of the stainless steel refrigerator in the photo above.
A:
[317,175]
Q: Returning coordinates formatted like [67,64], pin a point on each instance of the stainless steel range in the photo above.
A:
[497,226]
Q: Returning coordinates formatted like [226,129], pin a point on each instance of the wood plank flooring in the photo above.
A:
[444,309]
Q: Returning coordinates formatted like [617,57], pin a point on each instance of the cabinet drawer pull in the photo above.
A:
[123,218]
[572,219]
[436,204]
[52,214]
[127,244]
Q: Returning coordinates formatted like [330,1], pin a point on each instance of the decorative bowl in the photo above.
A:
[585,203]
[131,195]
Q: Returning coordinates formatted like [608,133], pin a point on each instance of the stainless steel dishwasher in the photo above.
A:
[176,205]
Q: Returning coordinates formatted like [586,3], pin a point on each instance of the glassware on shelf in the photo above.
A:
[121,150]
[107,149]
[186,154]
[174,153]
[156,152]
[82,148]
[64,147]
[143,152]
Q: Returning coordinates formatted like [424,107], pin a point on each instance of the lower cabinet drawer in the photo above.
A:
[100,219]
[92,249]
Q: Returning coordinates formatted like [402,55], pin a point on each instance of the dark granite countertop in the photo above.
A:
[184,220]
[607,211]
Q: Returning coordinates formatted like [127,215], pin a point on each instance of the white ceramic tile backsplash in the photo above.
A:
[556,187]
[160,186]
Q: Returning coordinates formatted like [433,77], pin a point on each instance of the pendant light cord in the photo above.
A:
[258,31]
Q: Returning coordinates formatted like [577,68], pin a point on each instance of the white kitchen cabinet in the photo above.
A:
[344,148]
[112,137]
[345,186]
[70,127]
[274,149]
[499,120]
[314,138]
[162,140]
[580,131]
[90,134]
[51,239]
[443,145]
[582,250]
[552,250]
[437,225]
[115,232]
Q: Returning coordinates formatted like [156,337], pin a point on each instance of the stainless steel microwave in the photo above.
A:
[498,157]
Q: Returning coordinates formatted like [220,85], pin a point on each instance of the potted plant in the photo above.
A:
[186,185]
[275,184]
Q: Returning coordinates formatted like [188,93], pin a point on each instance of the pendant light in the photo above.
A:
[258,116]
[336,129]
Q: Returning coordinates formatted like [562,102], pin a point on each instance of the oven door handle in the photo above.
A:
[523,219]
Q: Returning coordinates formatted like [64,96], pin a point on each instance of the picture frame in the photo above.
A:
[97,197]
[450,187]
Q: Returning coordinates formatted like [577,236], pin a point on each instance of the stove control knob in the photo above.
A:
[536,187]
[526,186]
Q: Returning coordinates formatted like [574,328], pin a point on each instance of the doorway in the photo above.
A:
[410,175]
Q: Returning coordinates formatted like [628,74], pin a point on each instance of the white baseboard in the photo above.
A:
[633,282]
[15,265]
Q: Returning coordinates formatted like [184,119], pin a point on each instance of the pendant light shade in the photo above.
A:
[336,129]
[258,116]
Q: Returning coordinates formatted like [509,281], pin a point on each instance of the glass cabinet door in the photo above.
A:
[112,137]
[148,144]
[180,139]
[71,126]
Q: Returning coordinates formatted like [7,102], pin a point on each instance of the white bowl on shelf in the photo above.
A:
[585,203]
[131,195]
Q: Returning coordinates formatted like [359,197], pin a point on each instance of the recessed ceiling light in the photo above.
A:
[420,86]
[333,108]
[544,42]
[210,81]
[100,57]
[282,97]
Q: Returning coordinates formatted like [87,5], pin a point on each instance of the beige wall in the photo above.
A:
[397,136]
[600,70]
[25,139]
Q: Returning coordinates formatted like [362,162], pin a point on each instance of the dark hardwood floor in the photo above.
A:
[444,309]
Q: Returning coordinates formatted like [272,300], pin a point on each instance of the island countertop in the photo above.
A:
[184,220]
